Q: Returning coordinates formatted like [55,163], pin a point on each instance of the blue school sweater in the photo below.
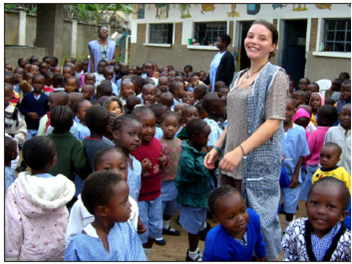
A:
[30,104]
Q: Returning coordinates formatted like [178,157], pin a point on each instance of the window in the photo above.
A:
[337,35]
[160,33]
[207,33]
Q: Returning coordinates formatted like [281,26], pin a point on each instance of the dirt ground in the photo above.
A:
[176,247]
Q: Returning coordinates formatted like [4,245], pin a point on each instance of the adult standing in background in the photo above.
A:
[101,49]
[223,65]
[256,105]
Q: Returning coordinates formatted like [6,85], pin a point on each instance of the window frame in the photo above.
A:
[150,30]
[217,32]
[335,31]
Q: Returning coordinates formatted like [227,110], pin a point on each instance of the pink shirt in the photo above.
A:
[315,143]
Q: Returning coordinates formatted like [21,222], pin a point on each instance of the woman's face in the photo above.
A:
[258,43]
[219,44]
[104,33]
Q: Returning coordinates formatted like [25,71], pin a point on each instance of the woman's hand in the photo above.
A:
[210,159]
[231,160]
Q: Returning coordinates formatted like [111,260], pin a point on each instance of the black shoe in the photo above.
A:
[171,231]
[203,232]
[160,242]
[198,258]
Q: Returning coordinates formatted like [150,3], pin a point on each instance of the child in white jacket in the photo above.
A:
[35,207]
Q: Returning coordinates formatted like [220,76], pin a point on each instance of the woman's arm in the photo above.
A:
[113,61]
[231,160]
[213,155]
[91,62]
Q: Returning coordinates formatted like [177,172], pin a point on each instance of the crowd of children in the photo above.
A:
[108,158]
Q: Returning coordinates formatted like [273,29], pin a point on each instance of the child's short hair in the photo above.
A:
[141,110]
[168,114]
[329,101]
[346,82]
[104,88]
[335,146]
[38,151]
[158,109]
[77,105]
[120,121]
[132,101]
[10,146]
[209,100]
[195,127]
[55,60]
[94,103]
[49,74]
[62,118]
[317,85]
[329,180]
[97,118]
[112,99]
[329,113]
[73,78]
[345,75]
[58,80]
[98,188]
[220,192]
[173,86]
[185,109]
[104,151]
[10,75]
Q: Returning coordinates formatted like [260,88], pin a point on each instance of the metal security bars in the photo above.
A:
[337,35]
[160,33]
[207,33]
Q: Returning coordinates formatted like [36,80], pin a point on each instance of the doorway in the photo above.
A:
[243,60]
[294,48]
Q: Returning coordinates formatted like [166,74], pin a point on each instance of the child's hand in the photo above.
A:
[163,161]
[294,181]
[283,157]
[146,165]
[33,115]
[263,259]
[140,227]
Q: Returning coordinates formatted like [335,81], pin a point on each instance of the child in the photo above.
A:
[202,113]
[149,94]
[159,110]
[218,85]
[329,157]
[323,235]
[152,160]
[43,67]
[294,147]
[88,91]
[312,88]
[341,135]
[194,81]
[344,76]
[34,69]
[345,95]
[177,89]
[316,100]
[66,72]
[97,120]
[138,84]
[109,237]
[216,109]
[199,92]
[114,105]
[71,85]
[55,69]
[48,88]
[310,127]
[223,91]
[131,102]
[99,74]
[108,159]
[54,61]
[163,84]
[334,90]
[303,84]
[167,99]
[35,211]
[127,89]
[90,78]
[11,153]
[171,149]
[193,182]
[85,63]
[188,98]
[109,75]
[238,235]
[327,116]
[79,109]
[14,122]
[188,113]
[103,89]
[34,105]
[58,83]
[300,97]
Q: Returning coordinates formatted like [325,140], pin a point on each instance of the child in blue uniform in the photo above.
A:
[110,237]
[238,234]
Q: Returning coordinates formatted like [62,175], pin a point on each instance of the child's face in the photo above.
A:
[113,161]
[315,102]
[298,99]
[312,88]
[291,87]
[85,66]
[139,70]
[231,212]
[223,91]
[345,117]
[119,207]
[156,75]
[130,70]
[52,62]
[101,67]
[27,68]
[108,73]
[34,69]
[87,92]
[290,111]
[178,109]
[8,79]
[22,62]
[89,79]
[71,85]
[194,81]
[8,68]
[83,108]
[8,96]
[188,97]
[129,136]
[190,114]
[148,68]
[163,84]
[38,84]
[329,157]
[303,84]
[114,107]
[179,79]
[67,73]
[149,94]
[170,126]
[201,140]
[127,90]
[325,208]
[28,77]
[55,70]
[346,92]
[180,90]
[47,61]
[43,68]
[335,86]
[149,124]
[48,81]
[35,61]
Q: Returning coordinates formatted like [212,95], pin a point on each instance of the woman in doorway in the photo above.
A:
[223,65]
[253,152]
[101,49]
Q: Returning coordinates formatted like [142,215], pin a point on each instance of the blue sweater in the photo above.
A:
[30,104]
[220,246]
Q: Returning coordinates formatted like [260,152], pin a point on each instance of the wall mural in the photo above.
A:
[162,11]
[233,12]
[278,6]
[253,9]
[207,8]
[138,11]
[299,8]
[323,6]
[185,10]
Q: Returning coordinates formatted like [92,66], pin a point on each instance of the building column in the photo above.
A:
[74,38]
[22,27]
[50,25]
